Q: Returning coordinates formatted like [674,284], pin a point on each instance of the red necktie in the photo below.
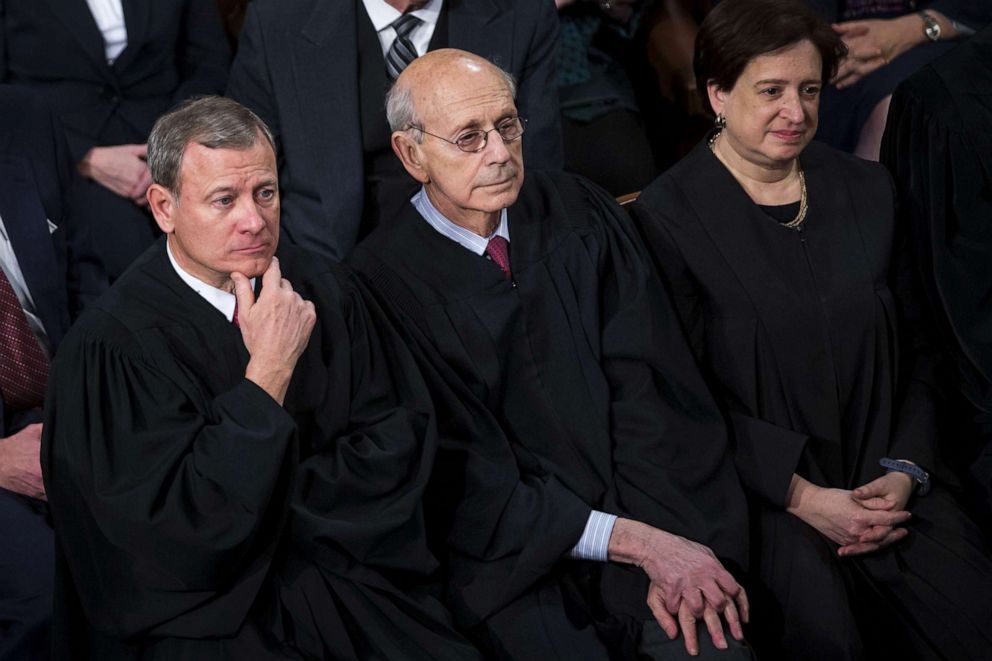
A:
[23,364]
[234,318]
[498,250]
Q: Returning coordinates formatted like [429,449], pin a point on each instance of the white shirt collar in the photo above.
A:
[220,299]
[466,238]
[383,15]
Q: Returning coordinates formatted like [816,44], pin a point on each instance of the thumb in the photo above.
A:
[243,293]
[141,150]
[849,28]
[873,489]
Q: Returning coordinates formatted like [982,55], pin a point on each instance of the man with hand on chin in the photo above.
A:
[236,444]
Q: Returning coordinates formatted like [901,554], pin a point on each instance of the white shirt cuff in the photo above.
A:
[595,541]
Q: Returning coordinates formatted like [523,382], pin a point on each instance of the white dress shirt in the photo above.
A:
[383,16]
[12,269]
[595,541]
[225,302]
[109,17]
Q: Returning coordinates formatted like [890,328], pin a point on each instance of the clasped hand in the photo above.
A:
[688,583]
[861,521]
[871,44]
[122,169]
[275,328]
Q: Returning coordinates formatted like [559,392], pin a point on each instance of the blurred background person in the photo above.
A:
[317,73]
[625,84]
[42,287]
[109,68]
[887,41]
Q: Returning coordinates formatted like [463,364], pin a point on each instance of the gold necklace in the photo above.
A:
[803,206]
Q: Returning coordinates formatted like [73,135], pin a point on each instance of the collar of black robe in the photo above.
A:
[181,299]
[532,220]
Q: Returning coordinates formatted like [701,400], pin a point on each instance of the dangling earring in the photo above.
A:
[720,122]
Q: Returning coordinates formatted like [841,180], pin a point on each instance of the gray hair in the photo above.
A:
[212,121]
[400,111]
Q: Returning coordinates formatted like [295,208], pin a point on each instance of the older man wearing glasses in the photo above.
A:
[534,299]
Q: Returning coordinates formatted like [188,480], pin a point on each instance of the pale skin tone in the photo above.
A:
[470,189]
[223,227]
[454,92]
[20,462]
[874,43]
[771,116]
[121,169]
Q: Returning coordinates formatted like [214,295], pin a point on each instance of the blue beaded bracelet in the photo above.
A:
[901,466]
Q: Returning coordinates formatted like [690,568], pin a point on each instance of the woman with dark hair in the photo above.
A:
[783,260]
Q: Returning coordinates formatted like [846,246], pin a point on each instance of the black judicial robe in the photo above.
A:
[581,361]
[196,518]
[938,146]
[812,339]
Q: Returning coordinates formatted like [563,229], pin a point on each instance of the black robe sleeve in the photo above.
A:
[669,440]
[167,505]
[937,148]
[372,442]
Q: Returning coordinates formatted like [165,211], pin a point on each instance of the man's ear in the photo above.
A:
[163,207]
[410,154]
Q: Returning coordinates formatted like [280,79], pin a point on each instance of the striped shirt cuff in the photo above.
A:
[595,541]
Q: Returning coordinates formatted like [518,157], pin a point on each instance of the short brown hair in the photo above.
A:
[212,121]
[737,31]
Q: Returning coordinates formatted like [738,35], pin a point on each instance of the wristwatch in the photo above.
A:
[902,466]
[931,28]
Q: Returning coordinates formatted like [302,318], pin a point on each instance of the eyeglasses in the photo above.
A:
[475,141]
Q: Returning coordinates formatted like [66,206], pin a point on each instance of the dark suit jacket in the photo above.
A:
[297,68]
[176,49]
[35,172]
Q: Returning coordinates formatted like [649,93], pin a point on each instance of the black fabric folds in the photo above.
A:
[582,363]
[197,518]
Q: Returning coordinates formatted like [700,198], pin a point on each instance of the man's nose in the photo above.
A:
[496,149]
[250,219]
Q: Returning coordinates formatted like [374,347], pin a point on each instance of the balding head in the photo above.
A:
[402,99]
[440,98]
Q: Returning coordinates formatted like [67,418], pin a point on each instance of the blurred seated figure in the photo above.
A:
[42,287]
[604,133]
[938,146]
[887,41]
[796,288]
[625,86]
[109,68]
[317,72]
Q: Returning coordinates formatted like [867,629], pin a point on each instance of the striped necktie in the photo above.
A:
[23,364]
[402,52]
